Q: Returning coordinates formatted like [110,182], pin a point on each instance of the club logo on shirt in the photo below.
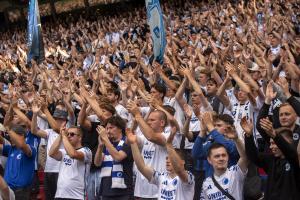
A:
[287,167]
[175,182]
[19,156]
[295,136]
[194,120]
[67,161]
[148,154]
[225,181]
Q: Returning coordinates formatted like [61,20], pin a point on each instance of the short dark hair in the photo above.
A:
[115,92]
[118,122]
[110,108]
[160,88]
[284,104]
[211,80]
[225,118]
[169,109]
[215,145]
[113,84]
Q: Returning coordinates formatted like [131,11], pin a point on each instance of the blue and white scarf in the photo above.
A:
[113,168]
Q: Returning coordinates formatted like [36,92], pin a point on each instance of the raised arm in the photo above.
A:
[71,151]
[243,161]
[115,154]
[99,153]
[290,99]
[221,94]
[19,141]
[54,150]
[231,71]
[186,126]
[8,116]
[169,83]
[34,130]
[186,71]
[250,148]
[145,128]
[180,92]
[177,163]
[67,103]
[22,116]
[91,100]
[147,171]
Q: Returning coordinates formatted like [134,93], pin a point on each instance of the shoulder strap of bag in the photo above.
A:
[221,189]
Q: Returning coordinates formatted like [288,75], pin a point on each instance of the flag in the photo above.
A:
[157,29]
[34,33]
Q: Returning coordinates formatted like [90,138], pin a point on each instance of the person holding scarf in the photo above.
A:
[115,158]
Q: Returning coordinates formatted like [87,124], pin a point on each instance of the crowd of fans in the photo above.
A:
[219,119]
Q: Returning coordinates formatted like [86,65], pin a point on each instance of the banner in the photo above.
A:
[34,33]
[157,29]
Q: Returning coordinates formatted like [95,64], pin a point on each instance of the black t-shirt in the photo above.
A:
[90,140]
[106,190]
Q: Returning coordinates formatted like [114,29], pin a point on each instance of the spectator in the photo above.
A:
[75,164]
[281,166]
[152,139]
[52,166]
[175,183]
[115,158]
[225,182]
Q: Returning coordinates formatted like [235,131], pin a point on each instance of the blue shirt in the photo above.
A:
[200,150]
[19,170]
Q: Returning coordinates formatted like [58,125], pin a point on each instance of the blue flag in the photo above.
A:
[34,33]
[157,29]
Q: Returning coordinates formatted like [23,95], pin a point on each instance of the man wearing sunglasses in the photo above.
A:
[75,162]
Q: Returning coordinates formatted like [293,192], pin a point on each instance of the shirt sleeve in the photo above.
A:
[5,150]
[238,173]
[127,149]
[191,179]
[11,194]
[87,154]
[203,195]
[156,178]
[33,151]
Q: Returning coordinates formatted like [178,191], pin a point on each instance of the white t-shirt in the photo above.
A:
[51,165]
[173,188]
[43,125]
[155,156]
[124,114]
[11,194]
[73,174]
[195,123]
[231,181]
[179,116]
[238,111]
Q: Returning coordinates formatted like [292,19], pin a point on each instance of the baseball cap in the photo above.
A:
[61,114]
[20,130]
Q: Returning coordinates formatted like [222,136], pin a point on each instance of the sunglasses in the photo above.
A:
[71,134]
